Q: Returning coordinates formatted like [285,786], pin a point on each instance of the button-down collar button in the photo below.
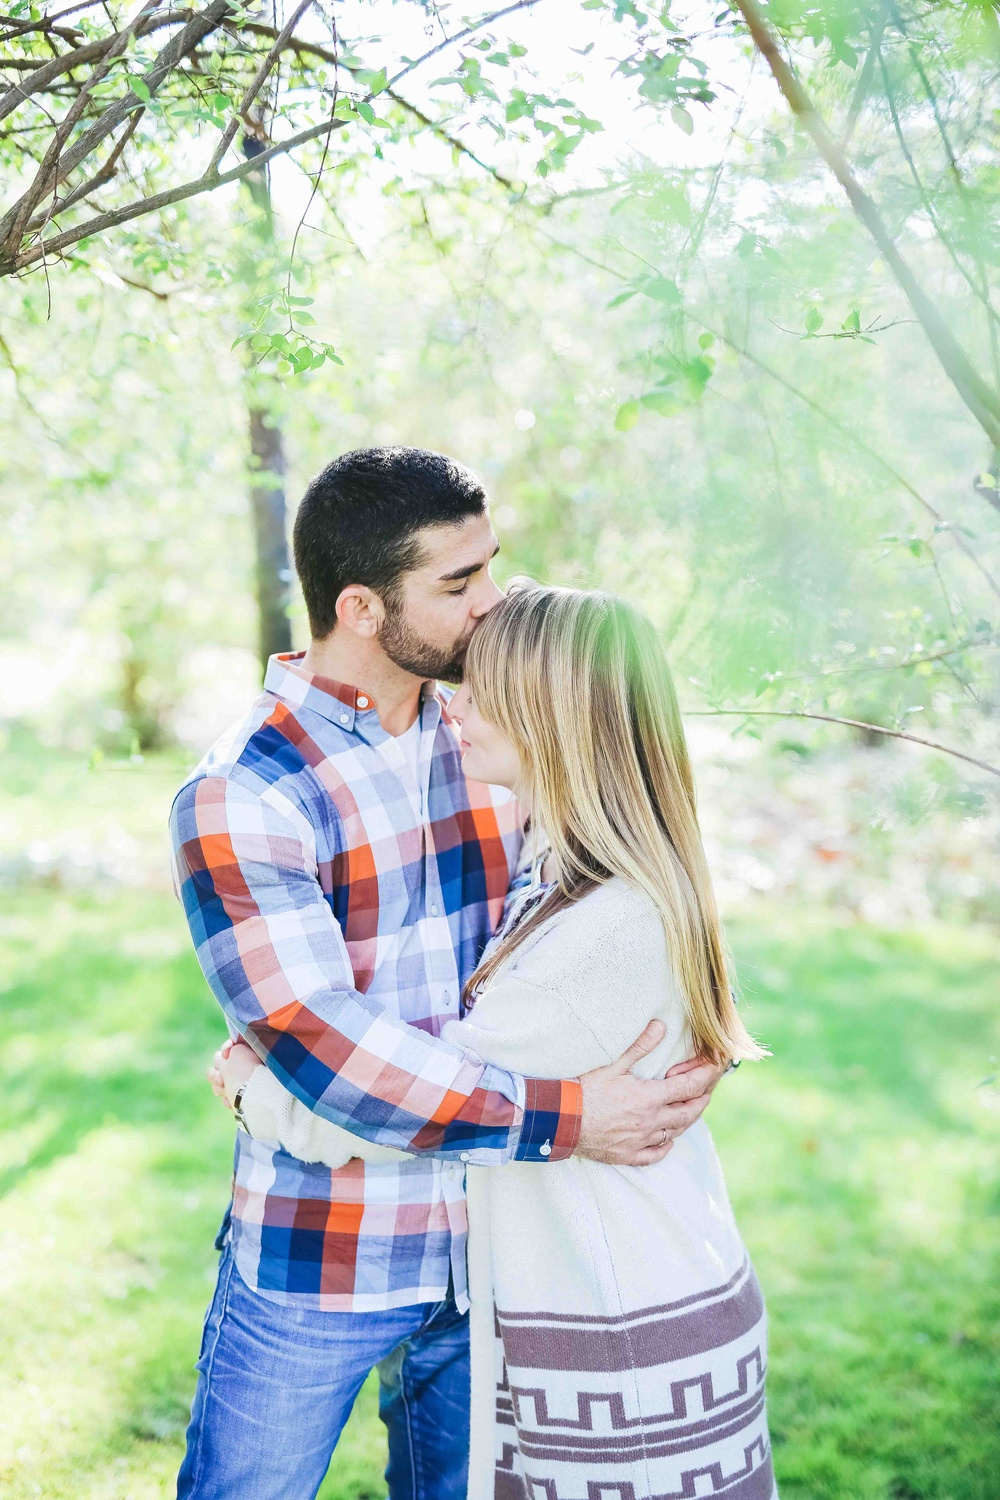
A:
[362,701]
[465,1156]
[345,718]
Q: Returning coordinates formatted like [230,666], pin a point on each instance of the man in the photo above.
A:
[341,878]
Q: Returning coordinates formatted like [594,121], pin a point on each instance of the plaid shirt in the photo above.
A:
[337,909]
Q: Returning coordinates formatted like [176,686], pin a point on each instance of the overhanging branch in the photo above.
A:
[791,713]
[178,47]
[980,398]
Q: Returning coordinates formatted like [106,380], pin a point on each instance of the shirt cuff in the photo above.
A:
[553,1111]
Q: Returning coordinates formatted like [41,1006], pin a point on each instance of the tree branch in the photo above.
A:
[973,642]
[859,442]
[981,293]
[815,406]
[863,84]
[55,244]
[789,713]
[179,46]
[45,73]
[296,44]
[104,175]
[980,398]
[51,171]
[198,185]
[255,86]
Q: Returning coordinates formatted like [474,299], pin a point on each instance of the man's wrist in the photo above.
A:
[553,1114]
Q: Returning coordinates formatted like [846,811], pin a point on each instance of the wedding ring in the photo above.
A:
[663,1137]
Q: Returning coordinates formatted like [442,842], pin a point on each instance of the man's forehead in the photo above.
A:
[457,545]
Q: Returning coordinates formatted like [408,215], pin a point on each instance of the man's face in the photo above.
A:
[428,627]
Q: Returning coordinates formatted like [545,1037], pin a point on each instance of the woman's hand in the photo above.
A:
[232,1066]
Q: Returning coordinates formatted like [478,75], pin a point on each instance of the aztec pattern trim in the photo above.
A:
[663,1403]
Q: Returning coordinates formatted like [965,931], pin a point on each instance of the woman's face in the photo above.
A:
[487,754]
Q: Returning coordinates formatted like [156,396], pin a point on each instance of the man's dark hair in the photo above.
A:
[359,519]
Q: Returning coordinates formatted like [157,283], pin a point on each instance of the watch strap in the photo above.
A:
[238,1108]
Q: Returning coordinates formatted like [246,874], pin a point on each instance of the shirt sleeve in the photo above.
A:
[276,960]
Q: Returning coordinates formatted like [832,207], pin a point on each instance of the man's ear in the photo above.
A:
[360,610]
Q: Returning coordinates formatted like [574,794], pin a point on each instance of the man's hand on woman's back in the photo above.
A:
[633,1122]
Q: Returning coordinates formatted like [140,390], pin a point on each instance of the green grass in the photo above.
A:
[862,1160]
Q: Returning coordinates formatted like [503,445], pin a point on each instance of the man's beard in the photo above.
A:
[412,653]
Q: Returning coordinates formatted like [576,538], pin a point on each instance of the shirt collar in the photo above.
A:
[340,702]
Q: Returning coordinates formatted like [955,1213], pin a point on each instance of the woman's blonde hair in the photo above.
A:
[579,684]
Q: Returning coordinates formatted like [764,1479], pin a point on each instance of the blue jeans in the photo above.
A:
[276,1385]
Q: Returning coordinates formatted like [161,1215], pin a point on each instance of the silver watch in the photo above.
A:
[238,1108]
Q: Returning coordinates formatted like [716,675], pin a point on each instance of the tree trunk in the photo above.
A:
[273,571]
[267,501]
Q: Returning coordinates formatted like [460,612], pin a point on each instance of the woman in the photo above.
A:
[618,1333]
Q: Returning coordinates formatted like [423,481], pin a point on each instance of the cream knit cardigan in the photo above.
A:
[635,1279]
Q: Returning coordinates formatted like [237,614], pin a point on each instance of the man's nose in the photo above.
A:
[491,596]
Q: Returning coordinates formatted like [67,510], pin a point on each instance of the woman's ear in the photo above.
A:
[360,610]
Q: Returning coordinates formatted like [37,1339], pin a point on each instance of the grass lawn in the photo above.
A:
[862,1160]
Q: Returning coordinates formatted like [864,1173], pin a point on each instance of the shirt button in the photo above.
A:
[435,910]
[345,718]
[362,701]
[545,1150]
[465,1156]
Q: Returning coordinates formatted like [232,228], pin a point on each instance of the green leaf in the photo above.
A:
[664,403]
[814,321]
[681,118]
[623,297]
[379,83]
[221,103]
[661,289]
[844,52]
[853,322]
[706,340]
[300,301]
[304,317]
[140,89]
[365,111]
[628,412]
